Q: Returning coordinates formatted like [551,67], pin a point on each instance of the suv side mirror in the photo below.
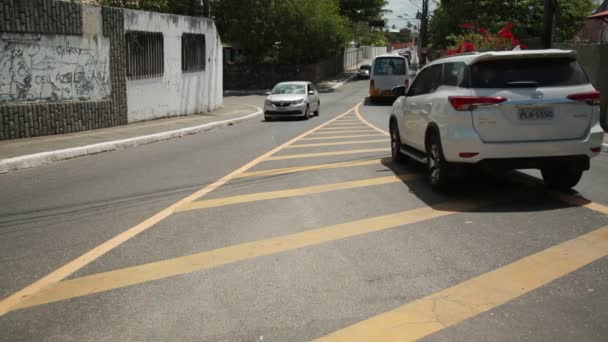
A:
[399,91]
[311,92]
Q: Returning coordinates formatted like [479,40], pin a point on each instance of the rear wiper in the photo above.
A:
[523,84]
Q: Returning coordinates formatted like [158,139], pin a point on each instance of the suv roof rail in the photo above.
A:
[463,54]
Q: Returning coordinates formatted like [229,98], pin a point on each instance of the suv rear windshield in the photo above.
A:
[534,72]
[389,66]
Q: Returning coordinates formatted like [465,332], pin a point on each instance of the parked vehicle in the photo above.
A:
[292,99]
[503,110]
[388,71]
[364,71]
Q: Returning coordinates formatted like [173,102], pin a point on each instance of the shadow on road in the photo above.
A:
[382,102]
[502,192]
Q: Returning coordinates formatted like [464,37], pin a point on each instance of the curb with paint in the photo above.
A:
[31,160]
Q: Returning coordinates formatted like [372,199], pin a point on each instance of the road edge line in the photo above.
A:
[36,159]
[360,117]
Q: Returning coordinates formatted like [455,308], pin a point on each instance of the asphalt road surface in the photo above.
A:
[296,231]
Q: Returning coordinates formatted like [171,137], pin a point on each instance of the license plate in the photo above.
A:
[530,114]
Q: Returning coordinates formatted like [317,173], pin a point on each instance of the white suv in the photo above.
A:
[508,110]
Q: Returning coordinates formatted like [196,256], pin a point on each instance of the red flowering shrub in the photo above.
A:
[479,39]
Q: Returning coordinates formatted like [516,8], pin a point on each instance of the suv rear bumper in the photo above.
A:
[455,142]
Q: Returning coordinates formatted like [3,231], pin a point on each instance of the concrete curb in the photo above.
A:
[31,160]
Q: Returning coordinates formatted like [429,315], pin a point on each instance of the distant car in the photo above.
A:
[292,99]
[364,71]
[502,110]
[388,72]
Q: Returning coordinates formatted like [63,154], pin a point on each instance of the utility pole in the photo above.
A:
[424,23]
[549,25]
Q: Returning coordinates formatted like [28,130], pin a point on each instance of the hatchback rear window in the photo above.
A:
[389,66]
[532,72]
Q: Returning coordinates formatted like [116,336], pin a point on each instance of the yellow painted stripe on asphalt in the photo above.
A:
[341,124]
[295,169]
[66,270]
[106,281]
[326,154]
[344,137]
[341,128]
[354,142]
[363,130]
[362,119]
[212,203]
[582,202]
[443,309]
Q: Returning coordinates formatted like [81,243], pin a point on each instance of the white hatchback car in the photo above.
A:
[509,110]
[292,99]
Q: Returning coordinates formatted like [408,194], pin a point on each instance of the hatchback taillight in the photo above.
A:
[463,103]
[592,97]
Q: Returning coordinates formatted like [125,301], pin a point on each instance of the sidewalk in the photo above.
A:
[24,153]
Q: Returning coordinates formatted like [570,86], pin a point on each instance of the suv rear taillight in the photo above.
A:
[592,97]
[463,103]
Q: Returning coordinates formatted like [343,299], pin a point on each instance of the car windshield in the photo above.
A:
[389,66]
[289,88]
[532,71]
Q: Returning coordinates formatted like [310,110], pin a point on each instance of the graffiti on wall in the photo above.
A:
[54,68]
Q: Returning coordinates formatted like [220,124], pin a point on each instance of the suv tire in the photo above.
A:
[438,169]
[398,157]
[561,177]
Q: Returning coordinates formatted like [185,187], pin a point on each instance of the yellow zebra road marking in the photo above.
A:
[362,130]
[316,167]
[341,128]
[327,154]
[362,119]
[129,276]
[375,135]
[212,203]
[451,306]
[354,142]
[66,270]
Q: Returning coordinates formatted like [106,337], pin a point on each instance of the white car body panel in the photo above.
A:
[495,131]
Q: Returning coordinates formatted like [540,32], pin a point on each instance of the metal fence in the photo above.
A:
[193,52]
[145,55]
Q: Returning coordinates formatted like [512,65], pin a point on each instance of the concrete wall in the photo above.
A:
[594,59]
[175,93]
[355,56]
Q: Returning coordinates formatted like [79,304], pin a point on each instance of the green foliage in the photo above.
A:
[362,10]
[182,7]
[527,15]
[284,31]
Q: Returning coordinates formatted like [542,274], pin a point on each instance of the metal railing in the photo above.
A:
[193,52]
[145,55]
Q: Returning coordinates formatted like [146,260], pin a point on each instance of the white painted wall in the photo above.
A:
[176,93]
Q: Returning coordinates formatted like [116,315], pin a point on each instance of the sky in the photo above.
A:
[401,7]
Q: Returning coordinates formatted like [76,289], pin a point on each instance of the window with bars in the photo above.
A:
[145,55]
[193,52]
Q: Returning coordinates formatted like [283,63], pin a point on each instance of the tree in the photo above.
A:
[182,7]
[286,31]
[362,10]
[527,15]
